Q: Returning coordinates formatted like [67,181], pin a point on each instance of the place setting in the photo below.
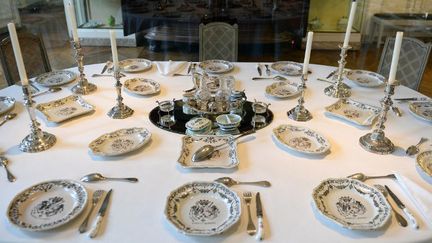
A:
[216,66]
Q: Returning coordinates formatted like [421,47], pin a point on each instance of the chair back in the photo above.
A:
[413,58]
[218,40]
[34,55]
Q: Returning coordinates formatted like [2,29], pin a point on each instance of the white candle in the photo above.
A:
[17,52]
[395,58]
[114,49]
[72,20]
[350,23]
[307,52]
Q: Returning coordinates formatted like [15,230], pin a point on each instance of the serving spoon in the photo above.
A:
[99,177]
[228,181]
[8,117]
[414,149]
[363,177]
[50,90]
[4,162]
[206,151]
[400,219]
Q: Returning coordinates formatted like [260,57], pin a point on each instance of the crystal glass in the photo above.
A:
[166,113]
[259,108]
[203,95]
[222,96]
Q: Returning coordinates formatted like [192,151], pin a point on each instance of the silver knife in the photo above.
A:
[259,212]
[189,68]
[402,206]
[259,69]
[100,215]
[331,74]
[105,67]
[410,99]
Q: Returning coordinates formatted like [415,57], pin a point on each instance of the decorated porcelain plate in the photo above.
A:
[135,65]
[203,208]
[142,86]
[424,161]
[301,139]
[366,78]
[282,90]
[56,78]
[216,66]
[351,204]
[288,68]
[223,158]
[6,104]
[47,205]
[422,110]
[65,108]
[120,142]
[353,111]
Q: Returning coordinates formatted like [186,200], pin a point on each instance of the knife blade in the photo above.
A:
[259,213]
[410,99]
[402,206]
[259,69]
[100,215]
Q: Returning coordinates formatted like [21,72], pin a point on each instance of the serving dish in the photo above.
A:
[354,111]
[56,78]
[64,108]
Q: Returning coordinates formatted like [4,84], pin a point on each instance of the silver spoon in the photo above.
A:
[4,162]
[99,177]
[206,151]
[277,77]
[8,117]
[50,90]
[228,181]
[414,149]
[400,219]
[363,177]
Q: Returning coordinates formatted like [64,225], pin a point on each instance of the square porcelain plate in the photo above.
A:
[65,108]
[223,158]
[353,111]
[6,104]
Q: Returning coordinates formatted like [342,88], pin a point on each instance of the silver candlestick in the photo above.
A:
[340,89]
[377,142]
[120,111]
[300,113]
[37,140]
[83,87]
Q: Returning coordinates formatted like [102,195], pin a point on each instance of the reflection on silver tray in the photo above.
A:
[6,104]
[65,108]
[422,110]
[216,66]
[354,111]
[288,68]
[56,78]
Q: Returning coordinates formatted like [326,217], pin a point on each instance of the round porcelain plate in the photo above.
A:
[142,86]
[6,104]
[301,139]
[56,78]
[47,205]
[203,208]
[135,65]
[365,78]
[216,66]
[120,142]
[288,68]
[424,161]
[351,204]
[282,90]
[422,110]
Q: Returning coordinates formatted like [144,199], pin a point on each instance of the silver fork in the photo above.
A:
[96,197]
[251,230]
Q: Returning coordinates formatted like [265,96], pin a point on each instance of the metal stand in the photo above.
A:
[339,89]
[37,140]
[377,142]
[120,111]
[83,87]
[300,113]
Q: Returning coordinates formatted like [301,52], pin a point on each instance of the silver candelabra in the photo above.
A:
[83,87]
[120,111]
[339,89]
[300,113]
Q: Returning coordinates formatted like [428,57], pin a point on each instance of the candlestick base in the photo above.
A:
[299,114]
[338,91]
[84,88]
[120,112]
[376,142]
[37,142]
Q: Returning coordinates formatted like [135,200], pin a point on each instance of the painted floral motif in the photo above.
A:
[132,67]
[121,144]
[300,143]
[65,108]
[282,90]
[354,111]
[204,211]
[301,139]
[350,208]
[54,80]
[351,113]
[48,208]
[142,88]
[66,111]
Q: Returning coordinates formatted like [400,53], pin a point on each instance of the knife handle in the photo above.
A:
[96,227]
[411,218]
[260,232]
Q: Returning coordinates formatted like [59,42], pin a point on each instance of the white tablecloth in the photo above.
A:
[136,212]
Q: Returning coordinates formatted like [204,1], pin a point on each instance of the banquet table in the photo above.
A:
[136,211]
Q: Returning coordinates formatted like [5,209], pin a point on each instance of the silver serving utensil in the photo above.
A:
[181,74]
[268,72]
[206,151]
[50,90]
[228,181]
[259,213]
[399,218]
[251,230]
[93,177]
[363,177]
[100,215]
[410,99]
[96,197]
[8,117]
[402,206]
[96,75]
[414,149]
[277,77]
[4,162]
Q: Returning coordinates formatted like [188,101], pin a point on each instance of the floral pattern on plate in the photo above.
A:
[135,65]
[422,110]
[424,161]
[47,205]
[351,204]
[365,78]
[301,139]
[216,66]
[56,78]
[223,158]
[120,142]
[288,68]
[6,104]
[354,111]
[142,86]
[282,90]
[203,208]
[65,108]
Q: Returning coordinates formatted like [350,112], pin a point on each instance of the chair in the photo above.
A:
[34,55]
[413,58]
[218,40]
